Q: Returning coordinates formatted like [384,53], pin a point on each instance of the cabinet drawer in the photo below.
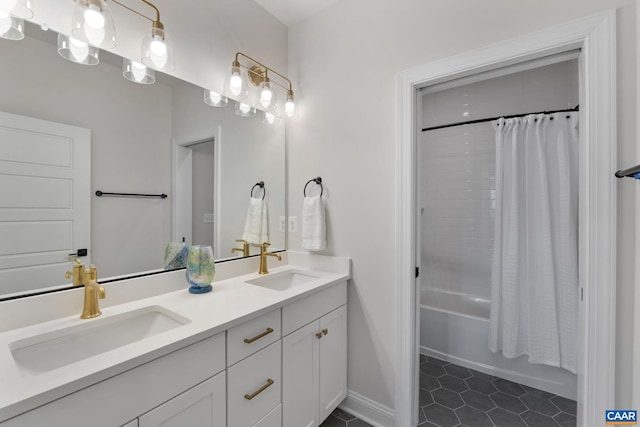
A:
[251,336]
[274,419]
[253,386]
[300,313]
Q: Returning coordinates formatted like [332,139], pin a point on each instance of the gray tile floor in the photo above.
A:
[455,396]
[340,418]
[452,395]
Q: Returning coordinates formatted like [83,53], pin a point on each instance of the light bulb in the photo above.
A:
[93,17]
[79,49]
[269,118]
[235,84]
[215,97]
[266,95]
[158,52]
[138,70]
[289,108]
[7,6]
[5,23]
[245,108]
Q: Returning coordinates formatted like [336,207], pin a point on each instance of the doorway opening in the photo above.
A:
[594,36]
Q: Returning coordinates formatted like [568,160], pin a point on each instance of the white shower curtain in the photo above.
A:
[534,289]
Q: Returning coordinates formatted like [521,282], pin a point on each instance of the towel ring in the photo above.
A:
[261,185]
[318,181]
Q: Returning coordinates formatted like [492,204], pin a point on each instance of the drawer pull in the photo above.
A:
[260,390]
[257,337]
[319,335]
[325,331]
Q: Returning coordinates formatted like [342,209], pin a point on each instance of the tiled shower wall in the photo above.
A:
[457,174]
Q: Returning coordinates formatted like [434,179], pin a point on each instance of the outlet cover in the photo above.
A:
[208,218]
[293,224]
[282,224]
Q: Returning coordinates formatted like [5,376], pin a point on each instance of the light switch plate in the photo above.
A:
[208,218]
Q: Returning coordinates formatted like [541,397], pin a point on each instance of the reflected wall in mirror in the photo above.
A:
[149,139]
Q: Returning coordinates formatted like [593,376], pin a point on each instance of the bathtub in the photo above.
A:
[455,327]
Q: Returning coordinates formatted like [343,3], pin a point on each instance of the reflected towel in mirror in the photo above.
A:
[314,230]
[256,226]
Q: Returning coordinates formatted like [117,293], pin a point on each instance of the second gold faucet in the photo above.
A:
[263,258]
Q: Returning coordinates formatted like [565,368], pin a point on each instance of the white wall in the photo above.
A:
[345,62]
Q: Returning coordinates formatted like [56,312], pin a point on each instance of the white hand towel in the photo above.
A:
[256,226]
[314,229]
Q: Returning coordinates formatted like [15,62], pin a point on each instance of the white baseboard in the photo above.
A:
[367,410]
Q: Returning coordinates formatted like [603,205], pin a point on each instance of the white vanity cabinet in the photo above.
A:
[314,357]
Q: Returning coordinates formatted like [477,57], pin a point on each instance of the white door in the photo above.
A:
[44,201]
[201,406]
[300,377]
[333,360]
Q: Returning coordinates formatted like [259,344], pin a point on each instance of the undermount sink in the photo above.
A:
[283,280]
[42,353]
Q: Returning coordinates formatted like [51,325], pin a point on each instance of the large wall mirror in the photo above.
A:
[142,139]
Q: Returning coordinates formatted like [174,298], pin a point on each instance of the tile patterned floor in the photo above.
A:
[455,396]
[452,395]
[340,418]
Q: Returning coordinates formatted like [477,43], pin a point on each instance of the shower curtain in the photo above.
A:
[534,289]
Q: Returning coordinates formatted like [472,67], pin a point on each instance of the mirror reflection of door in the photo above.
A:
[203,228]
[44,201]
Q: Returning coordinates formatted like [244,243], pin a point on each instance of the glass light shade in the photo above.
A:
[11,28]
[290,106]
[157,50]
[235,85]
[245,110]
[77,51]
[137,72]
[269,118]
[17,8]
[266,96]
[92,23]
[215,99]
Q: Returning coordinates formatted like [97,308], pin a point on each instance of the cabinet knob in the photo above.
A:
[319,335]
[325,331]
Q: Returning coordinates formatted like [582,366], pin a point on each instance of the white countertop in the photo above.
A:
[231,302]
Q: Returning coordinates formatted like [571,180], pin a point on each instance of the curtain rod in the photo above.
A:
[470,122]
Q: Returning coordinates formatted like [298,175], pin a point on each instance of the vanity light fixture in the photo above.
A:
[137,72]
[245,110]
[92,23]
[259,76]
[215,99]
[77,51]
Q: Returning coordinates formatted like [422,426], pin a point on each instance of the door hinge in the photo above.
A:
[417,272]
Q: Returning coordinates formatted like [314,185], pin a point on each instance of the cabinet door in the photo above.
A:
[300,369]
[333,360]
[201,406]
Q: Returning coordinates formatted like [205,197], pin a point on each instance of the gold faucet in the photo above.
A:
[263,258]
[244,249]
[92,290]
